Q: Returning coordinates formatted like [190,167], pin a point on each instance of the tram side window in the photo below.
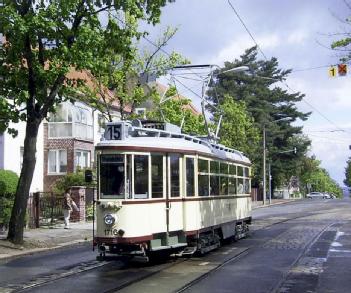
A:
[224,168]
[112,176]
[129,177]
[240,187]
[203,166]
[240,171]
[174,164]
[157,176]
[232,170]
[223,180]
[247,188]
[232,186]
[203,178]
[190,178]
[214,178]
[223,185]
[141,176]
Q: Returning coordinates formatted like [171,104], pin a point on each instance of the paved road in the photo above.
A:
[293,247]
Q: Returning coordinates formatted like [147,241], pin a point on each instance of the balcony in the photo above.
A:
[70,130]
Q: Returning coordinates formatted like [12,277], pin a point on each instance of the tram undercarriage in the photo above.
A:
[177,243]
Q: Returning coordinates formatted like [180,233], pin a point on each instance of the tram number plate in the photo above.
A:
[110,232]
[113,132]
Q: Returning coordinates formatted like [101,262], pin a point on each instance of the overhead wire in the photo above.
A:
[248,31]
[283,81]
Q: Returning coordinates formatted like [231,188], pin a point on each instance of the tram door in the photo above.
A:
[173,191]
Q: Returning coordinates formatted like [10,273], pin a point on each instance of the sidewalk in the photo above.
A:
[259,204]
[37,240]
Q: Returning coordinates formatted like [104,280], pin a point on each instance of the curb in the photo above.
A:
[273,204]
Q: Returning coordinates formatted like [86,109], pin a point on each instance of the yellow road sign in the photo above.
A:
[332,71]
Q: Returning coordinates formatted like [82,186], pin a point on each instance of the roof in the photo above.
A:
[132,137]
[92,83]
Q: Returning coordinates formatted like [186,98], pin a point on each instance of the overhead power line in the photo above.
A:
[248,31]
[284,82]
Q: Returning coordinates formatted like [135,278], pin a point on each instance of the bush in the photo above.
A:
[8,182]
[89,212]
[71,179]
[8,185]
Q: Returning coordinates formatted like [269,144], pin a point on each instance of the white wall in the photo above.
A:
[11,154]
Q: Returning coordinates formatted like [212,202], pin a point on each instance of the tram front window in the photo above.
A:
[112,176]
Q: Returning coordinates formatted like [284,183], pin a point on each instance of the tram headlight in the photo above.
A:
[109,219]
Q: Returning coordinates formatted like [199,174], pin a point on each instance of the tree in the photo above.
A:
[343,45]
[267,103]
[121,73]
[44,42]
[347,180]
[174,110]
[237,129]
[317,178]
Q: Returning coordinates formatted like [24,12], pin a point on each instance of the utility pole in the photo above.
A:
[270,182]
[264,164]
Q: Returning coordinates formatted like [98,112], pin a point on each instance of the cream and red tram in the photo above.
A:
[161,191]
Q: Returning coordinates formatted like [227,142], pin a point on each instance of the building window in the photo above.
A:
[71,121]
[57,161]
[82,159]
[141,112]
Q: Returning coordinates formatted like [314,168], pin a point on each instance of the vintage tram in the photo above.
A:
[163,192]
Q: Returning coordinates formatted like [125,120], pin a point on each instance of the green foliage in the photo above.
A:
[89,212]
[71,179]
[266,103]
[238,130]
[120,71]
[8,182]
[314,175]
[46,40]
[176,111]
[347,180]
[343,46]
[5,210]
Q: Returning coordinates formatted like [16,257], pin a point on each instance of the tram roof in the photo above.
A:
[171,139]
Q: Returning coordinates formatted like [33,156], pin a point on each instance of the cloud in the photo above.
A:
[238,46]
[297,37]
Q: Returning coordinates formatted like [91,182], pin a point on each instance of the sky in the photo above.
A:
[298,33]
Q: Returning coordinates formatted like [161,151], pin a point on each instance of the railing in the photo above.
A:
[44,208]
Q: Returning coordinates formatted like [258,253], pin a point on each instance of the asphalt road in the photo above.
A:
[293,247]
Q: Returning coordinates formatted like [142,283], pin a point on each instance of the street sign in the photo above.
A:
[332,71]
[342,69]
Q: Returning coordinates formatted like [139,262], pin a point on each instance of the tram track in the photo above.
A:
[43,280]
[277,287]
[237,257]
[49,278]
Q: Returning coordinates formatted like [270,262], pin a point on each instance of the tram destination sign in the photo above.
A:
[113,132]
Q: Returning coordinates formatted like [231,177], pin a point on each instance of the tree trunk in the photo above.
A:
[17,221]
